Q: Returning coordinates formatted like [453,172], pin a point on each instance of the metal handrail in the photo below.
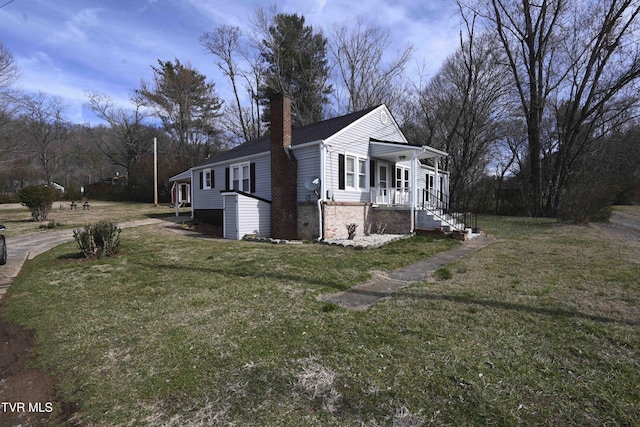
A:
[433,199]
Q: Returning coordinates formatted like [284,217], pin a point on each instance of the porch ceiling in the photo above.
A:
[398,151]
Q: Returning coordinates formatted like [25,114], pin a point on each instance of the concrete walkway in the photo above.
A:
[28,246]
[361,297]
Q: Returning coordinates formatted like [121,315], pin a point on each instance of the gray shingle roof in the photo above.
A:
[313,132]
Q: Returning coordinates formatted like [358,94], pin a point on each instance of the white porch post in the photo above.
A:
[191,193]
[436,184]
[176,188]
[413,189]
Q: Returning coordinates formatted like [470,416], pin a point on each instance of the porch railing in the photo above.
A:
[402,197]
[391,196]
[452,213]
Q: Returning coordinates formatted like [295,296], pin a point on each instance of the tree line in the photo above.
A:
[537,106]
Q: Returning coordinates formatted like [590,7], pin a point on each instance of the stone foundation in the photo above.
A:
[308,221]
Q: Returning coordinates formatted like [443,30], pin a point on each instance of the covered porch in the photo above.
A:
[181,190]
[399,178]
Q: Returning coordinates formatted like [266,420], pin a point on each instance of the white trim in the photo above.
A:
[240,168]
[356,173]
[234,160]
[204,178]
[377,111]
[306,144]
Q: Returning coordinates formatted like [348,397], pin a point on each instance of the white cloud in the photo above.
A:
[69,46]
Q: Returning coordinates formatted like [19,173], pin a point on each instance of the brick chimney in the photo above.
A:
[284,220]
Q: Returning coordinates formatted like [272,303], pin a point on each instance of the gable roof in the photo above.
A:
[309,133]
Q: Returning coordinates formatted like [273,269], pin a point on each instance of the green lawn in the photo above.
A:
[540,328]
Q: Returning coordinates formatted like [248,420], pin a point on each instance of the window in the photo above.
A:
[362,173]
[382,180]
[352,171]
[245,178]
[242,177]
[206,179]
[402,177]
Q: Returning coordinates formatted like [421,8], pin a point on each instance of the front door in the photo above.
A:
[184,194]
[383,183]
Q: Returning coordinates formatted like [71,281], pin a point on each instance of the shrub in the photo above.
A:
[38,199]
[99,240]
[584,202]
[443,273]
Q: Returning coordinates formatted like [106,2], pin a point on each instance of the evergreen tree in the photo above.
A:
[297,67]
[188,107]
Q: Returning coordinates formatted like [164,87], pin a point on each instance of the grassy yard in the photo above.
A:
[540,328]
[18,219]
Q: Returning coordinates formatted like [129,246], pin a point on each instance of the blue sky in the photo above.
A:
[67,47]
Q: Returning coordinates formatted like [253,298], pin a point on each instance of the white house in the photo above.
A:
[311,182]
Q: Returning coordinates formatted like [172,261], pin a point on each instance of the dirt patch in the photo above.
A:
[28,394]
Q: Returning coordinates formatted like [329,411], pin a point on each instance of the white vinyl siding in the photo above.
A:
[207,198]
[245,215]
[308,159]
[354,141]
[230,216]
[212,199]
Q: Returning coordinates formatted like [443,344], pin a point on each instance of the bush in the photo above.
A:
[99,240]
[38,199]
[585,201]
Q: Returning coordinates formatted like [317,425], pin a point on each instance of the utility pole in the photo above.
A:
[155,172]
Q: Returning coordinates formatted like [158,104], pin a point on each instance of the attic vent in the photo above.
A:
[383,117]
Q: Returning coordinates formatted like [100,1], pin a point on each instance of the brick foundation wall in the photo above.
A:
[337,215]
[396,221]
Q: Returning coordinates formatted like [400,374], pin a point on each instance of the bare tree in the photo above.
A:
[8,69]
[224,42]
[600,92]
[126,139]
[462,106]
[529,33]
[358,52]
[578,58]
[8,75]
[45,131]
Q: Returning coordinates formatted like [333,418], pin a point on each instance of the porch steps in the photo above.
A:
[432,219]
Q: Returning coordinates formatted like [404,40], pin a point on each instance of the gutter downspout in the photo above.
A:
[322,192]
